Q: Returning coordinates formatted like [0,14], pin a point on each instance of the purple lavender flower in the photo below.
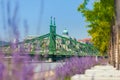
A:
[2,70]
[74,65]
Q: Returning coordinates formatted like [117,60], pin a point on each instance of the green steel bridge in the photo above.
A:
[54,44]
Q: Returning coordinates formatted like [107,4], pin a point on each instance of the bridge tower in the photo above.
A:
[52,44]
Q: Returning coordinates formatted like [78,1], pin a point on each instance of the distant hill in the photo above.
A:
[2,43]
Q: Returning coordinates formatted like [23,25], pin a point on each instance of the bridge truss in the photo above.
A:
[54,44]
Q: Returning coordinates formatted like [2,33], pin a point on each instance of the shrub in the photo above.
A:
[74,66]
[18,68]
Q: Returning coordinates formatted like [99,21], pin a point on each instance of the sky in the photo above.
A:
[37,14]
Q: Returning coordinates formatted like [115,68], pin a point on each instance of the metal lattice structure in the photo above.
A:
[53,43]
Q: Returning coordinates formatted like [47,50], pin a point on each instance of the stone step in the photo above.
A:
[104,67]
[105,74]
[75,77]
[102,72]
[83,77]
[99,73]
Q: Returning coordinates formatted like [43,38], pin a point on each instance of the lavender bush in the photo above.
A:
[19,67]
[14,67]
[74,66]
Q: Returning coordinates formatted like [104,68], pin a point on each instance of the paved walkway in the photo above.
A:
[101,72]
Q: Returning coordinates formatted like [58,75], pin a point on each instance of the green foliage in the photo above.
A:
[100,19]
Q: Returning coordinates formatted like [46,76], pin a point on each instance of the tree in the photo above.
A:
[100,20]
[117,34]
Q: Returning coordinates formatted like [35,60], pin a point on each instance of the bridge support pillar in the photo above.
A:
[52,44]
